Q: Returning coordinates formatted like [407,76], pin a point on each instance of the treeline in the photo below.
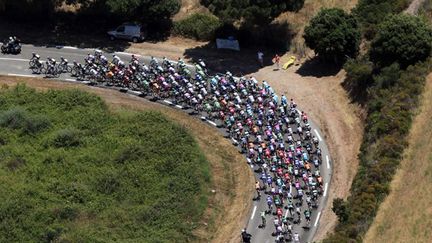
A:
[140,10]
[95,15]
[389,79]
[248,21]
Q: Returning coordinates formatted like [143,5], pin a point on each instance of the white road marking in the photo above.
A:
[253,212]
[235,141]
[318,135]
[70,47]
[126,53]
[179,106]
[135,92]
[203,118]
[69,79]
[328,162]
[168,102]
[214,124]
[325,189]
[286,213]
[22,75]
[14,59]
[317,219]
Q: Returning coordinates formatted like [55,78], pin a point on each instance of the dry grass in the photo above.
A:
[299,20]
[189,7]
[231,178]
[406,214]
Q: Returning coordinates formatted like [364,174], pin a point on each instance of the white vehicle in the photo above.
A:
[127,31]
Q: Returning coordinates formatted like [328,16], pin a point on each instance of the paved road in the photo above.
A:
[17,65]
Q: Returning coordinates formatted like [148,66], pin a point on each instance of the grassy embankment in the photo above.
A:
[73,170]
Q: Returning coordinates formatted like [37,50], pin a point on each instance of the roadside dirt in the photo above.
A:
[232,179]
[327,104]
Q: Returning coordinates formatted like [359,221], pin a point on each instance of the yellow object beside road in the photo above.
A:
[289,63]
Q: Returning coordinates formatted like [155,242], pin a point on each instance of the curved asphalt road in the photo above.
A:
[17,65]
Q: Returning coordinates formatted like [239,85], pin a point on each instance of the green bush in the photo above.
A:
[139,177]
[66,138]
[198,26]
[18,118]
[370,13]
[402,38]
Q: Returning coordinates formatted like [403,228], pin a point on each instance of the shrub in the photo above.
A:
[14,118]
[198,26]
[18,118]
[16,162]
[340,209]
[403,39]
[333,35]
[68,137]
[358,77]
[67,213]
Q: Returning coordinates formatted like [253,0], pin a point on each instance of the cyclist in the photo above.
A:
[263,218]
[307,215]
[246,237]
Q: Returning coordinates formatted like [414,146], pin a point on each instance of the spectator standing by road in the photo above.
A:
[261,58]
[276,60]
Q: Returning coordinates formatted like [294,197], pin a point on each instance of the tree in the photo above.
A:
[251,12]
[401,38]
[333,35]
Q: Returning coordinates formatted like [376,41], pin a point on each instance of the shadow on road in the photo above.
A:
[316,68]
[241,62]
[75,33]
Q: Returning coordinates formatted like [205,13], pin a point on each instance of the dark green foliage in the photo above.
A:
[198,26]
[403,39]
[358,78]
[29,9]
[372,12]
[149,10]
[340,209]
[94,175]
[251,11]
[392,98]
[138,10]
[391,85]
[333,35]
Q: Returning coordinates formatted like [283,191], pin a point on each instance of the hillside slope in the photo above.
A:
[406,214]
[231,180]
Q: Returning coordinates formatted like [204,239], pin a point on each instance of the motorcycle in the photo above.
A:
[11,48]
